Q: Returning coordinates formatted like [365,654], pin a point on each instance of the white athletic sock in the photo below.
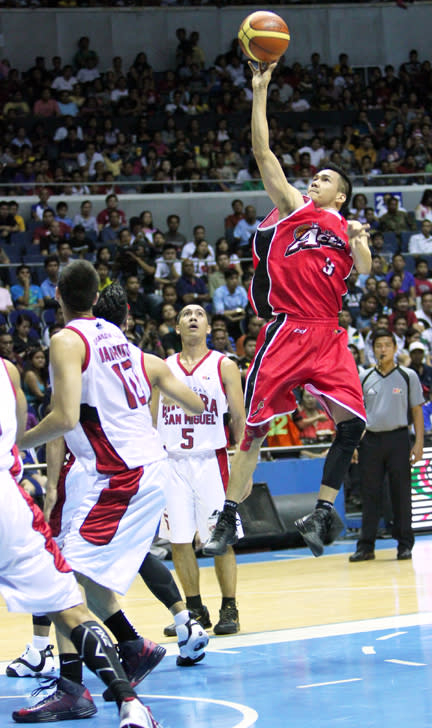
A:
[40,643]
[181,618]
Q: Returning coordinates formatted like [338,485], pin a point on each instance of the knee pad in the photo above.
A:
[41,621]
[253,432]
[348,434]
[159,580]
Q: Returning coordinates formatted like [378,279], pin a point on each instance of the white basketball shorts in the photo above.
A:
[34,577]
[71,489]
[195,488]
[112,530]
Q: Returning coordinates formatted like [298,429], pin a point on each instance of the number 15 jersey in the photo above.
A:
[115,432]
[182,433]
[301,263]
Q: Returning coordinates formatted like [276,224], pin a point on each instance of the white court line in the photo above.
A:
[368,650]
[390,636]
[406,662]
[332,682]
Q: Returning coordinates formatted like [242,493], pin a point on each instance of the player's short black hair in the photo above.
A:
[112,304]
[381,334]
[78,285]
[346,184]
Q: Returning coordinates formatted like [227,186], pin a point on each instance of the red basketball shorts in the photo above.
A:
[306,353]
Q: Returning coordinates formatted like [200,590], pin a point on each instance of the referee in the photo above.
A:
[393,399]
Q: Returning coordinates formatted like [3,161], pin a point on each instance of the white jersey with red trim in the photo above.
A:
[115,430]
[180,432]
[8,421]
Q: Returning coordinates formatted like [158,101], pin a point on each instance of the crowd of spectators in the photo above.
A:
[85,129]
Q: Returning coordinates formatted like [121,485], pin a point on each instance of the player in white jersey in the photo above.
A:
[65,488]
[100,404]
[35,577]
[198,459]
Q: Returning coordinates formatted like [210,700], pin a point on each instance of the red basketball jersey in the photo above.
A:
[301,263]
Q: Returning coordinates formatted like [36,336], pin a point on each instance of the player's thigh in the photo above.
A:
[178,523]
[209,492]
[34,577]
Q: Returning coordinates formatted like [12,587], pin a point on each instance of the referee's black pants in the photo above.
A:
[381,453]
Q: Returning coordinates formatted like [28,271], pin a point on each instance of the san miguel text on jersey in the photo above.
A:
[202,433]
[301,263]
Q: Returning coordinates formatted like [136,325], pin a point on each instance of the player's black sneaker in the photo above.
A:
[68,701]
[228,620]
[319,528]
[32,663]
[138,658]
[200,615]
[224,535]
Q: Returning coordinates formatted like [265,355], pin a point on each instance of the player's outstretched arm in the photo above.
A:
[359,243]
[21,402]
[55,455]
[161,376]
[67,354]
[284,196]
[231,379]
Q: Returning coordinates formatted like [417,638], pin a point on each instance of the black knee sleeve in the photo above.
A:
[41,621]
[160,581]
[348,434]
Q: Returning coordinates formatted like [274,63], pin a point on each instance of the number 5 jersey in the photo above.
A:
[182,433]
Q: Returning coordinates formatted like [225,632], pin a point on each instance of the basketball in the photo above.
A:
[264,36]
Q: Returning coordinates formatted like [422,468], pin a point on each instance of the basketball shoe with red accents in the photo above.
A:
[138,658]
[68,701]
[133,714]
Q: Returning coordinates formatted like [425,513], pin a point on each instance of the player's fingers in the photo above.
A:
[253,68]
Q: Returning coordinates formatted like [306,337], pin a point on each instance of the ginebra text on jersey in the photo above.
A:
[174,415]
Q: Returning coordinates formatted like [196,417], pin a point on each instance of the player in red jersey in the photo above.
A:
[303,252]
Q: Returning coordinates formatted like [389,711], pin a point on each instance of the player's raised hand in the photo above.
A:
[261,74]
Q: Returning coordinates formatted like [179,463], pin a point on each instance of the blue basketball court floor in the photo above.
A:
[357,673]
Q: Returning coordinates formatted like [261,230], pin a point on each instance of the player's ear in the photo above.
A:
[96,298]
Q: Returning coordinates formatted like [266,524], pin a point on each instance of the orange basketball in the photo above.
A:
[264,36]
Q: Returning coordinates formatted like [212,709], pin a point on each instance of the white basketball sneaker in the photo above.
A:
[32,663]
[133,714]
[192,641]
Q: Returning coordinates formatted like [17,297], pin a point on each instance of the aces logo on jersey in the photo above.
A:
[310,235]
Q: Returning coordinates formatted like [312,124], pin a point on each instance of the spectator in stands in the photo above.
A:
[417,352]
[253,327]
[168,267]
[138,305]
[62,214]
[7,350]
[191,288]
[354,336]
[35,379]
[46,106]
[401,307]
[86,219]
[353,295]
[71,151]
[244,362]
[237,214]
[170,340]
[245,229]
[423,211]
[382,294]
[172,235]
[395,220]
[377,243]
[49,284]
[199,233]
[358,207]
[80,243]
[25,294]
[424,312]
[368,309]
[103,271]
[23,340]
[219,341]
[83,53]
[314,425]
[88,159]
[14,210]
[398,266]
[64,254]
[8,224]
[39,207]
[64,81]
[422,277]
[231,301]
[111,232]
[111,202]
[421,243]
